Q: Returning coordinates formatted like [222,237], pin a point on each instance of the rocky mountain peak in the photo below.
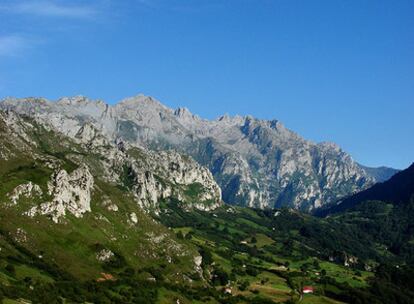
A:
[76,100]
[25,105]
[141,101]
[182,112]
[256,162]
[185,116]
[330,145]
[225,117]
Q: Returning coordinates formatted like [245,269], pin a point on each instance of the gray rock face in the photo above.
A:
[381,174]
[165,174]
[70,192]
[104,255]
[257,163]
[148,176]
[24,190]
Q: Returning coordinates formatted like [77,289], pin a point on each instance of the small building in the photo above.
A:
[105,277]
[307,289]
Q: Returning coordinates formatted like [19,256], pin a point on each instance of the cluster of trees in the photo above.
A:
[123,291]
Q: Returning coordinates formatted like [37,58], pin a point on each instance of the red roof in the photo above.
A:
[307,288]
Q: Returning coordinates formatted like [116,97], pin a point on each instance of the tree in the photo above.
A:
[180,235]
[286,264]
[252,271]
[244,285]
[10,268]
[207,256]
[220,277]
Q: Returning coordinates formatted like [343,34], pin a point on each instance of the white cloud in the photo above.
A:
[49,9]
[12,45]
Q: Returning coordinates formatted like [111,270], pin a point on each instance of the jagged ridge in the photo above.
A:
[256,162]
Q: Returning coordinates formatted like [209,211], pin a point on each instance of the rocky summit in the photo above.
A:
[256,163]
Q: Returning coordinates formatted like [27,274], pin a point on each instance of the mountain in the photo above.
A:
[398,190]
[257,163]
[85,199]
[89,220]
[383,213]
[380,174]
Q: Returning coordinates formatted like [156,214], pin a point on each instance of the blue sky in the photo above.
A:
[333,70]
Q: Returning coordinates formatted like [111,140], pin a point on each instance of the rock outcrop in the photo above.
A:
[69,192]
[27,190]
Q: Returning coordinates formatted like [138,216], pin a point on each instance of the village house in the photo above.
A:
[307,289]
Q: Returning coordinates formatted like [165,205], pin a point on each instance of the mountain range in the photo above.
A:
[123,204]
[398,191]
[256,163]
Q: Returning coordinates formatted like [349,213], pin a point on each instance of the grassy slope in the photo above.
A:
[43,251]
[228,236]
